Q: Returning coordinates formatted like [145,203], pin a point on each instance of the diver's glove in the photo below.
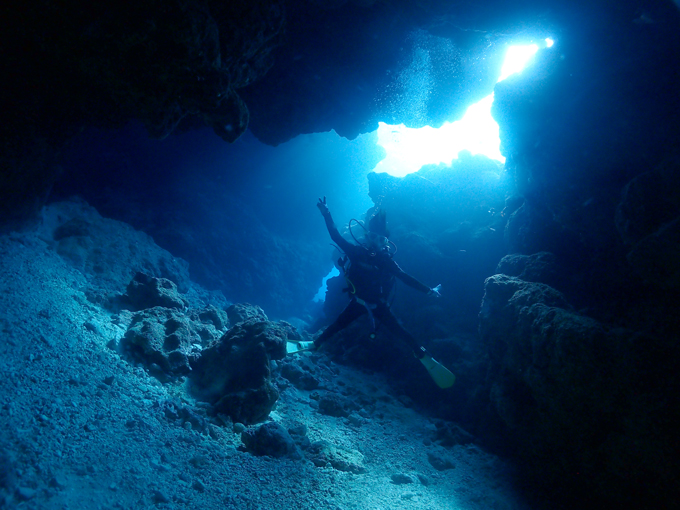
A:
[434,291]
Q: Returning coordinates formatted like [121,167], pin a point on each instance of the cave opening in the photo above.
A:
[408,149]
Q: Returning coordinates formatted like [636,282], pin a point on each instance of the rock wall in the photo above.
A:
[576,399]
[580,383]
[579,126]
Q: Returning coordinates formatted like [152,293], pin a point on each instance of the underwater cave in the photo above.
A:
[337,254]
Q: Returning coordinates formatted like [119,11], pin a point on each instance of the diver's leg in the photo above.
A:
[441,375]
[351,312]
[384,315]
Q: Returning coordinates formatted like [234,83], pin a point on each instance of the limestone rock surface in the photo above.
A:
[563,385]
[270,439]
[145,291]
[234,373]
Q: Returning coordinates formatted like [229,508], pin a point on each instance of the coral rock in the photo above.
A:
[162,337]
[241,312]
[234,373]
[145,291]
[270,439]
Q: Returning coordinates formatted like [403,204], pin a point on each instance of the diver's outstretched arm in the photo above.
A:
[342,243]
[412,282]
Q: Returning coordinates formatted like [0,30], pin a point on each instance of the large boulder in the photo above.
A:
[241,312]
[166,341]
[270,439]
[145,291]
[324,454]
[561,385]
[234,373]
[539,267]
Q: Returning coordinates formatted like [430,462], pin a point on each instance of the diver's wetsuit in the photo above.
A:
[370,279]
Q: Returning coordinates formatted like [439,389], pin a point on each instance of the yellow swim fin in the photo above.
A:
[295,347]
[441,375]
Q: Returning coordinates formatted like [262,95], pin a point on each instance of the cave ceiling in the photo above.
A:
[280,67]
[285,67]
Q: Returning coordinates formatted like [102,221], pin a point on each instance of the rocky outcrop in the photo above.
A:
[107,250]
[242,312]
[324,454]
[145,291]
[591,147]
[167,341]
[539,267]
[564,386]
[234,373]
[164,334]
[270,439]
[161,339]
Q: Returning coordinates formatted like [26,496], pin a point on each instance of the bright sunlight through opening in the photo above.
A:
[409,149]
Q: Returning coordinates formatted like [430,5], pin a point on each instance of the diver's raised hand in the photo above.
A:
[323,207]
[435,291]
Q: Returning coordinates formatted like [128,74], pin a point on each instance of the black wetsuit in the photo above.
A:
[370,280]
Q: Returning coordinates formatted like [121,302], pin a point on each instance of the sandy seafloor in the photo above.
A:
[81,427]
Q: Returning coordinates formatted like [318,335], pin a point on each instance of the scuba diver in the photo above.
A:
[370,272]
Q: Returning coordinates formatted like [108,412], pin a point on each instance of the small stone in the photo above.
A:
[159,466]
[439,462]
[215,432]
[334,405]
[355,419]
[424,480]
[56,482]
[93,327]
[25,493]
[198,461]
[401,478]
[47,340]
[159,497]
